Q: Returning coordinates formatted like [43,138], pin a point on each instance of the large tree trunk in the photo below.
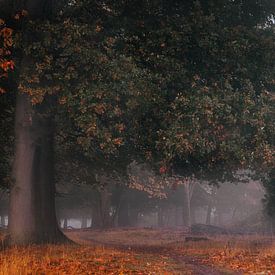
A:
[32,217]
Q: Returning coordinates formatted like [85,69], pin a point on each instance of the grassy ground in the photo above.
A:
[226,254]
[80,260]
[143,251]
[247,255]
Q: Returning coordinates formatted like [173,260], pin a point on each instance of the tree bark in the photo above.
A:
[32,217]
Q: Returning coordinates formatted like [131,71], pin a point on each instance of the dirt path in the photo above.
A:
[191,263]
[198,268]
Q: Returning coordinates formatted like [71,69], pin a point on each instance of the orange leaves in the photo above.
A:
[6,34]
[100,108]
[120,127]
[118,141]
[98,28]
[77,260]
[91,128]
[7,65]
[238,254]
[117,111]
[36,94]
[62,100]
[6,43]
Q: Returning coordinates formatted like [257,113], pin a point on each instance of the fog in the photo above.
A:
[234,206]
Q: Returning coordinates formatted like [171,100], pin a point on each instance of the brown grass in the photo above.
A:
[79,260]
[248,254]
[140,251]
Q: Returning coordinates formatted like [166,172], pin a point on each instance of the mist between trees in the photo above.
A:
[136,113]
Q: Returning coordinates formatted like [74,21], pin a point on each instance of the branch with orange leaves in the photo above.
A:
[6,42]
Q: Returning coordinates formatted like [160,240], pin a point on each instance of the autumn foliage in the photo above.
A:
[6,41]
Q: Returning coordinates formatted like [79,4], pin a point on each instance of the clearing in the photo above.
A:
[143,251]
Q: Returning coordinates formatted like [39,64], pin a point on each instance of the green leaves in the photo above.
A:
[185,84]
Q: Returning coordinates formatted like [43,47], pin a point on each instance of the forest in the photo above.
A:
[137,137]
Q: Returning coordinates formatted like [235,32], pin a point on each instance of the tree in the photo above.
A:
[6,64]
[269,200]
[32,217]
[32,212]
[191,96]
[212,65]
[6,102]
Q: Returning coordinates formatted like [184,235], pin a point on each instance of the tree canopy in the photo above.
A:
[184,85]
[187,84]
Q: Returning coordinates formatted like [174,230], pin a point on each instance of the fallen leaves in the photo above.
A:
[241,257]
[152,252]
[61,259]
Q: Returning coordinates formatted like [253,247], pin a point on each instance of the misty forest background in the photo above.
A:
[136,113]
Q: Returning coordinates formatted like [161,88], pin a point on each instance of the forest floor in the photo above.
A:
[143,251]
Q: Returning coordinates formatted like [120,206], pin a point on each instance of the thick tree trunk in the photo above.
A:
[32,217]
